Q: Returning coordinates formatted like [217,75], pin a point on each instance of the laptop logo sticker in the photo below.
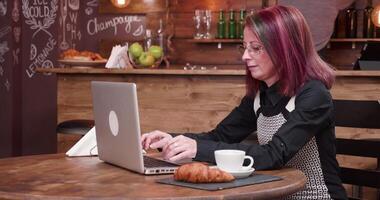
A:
[113,123]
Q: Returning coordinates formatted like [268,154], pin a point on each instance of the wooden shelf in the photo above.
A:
[355,40]
[352,40]
[215,40]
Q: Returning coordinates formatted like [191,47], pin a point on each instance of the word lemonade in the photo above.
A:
[234,30]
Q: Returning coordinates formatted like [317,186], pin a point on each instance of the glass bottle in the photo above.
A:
[160,35]
[232,25]
[221,25]
[148,39]
[207,19]
[240,25]
[368,27]
[351,22]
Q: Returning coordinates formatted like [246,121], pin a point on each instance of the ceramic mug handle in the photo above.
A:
[250,163]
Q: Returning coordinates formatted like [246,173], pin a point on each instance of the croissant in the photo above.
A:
[201,173]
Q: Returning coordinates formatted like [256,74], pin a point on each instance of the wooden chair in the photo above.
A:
[359,114]
[70,131]
[79,127]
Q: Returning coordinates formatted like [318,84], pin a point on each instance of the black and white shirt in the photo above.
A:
[300,134]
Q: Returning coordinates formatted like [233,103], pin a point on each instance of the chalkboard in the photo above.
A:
[82,27]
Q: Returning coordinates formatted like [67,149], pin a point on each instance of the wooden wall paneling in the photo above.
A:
[184,24]
[105,45]
[200,100]
[358,88]
[207,54]
[342,55]
[183,6]
[253,4]
[153,20]
[135,7]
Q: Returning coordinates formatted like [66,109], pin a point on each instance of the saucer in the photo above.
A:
[239,174]
[242,173]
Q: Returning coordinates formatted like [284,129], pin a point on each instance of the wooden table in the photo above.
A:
[58,177]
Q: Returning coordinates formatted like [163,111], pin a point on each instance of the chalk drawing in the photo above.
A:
[15,11]
[16,53]
[7,85]
[40,16]
[33,51]
[93,3]
[5,30]
[3,49]
[89,10]
[17,33]
[74,4]
[3,7]
[41,57]
[139,31]
[64,45]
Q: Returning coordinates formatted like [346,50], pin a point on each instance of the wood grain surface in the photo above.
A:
[57,177]
[190,100]
[180,101]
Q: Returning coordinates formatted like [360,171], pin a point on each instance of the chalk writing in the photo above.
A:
[40,9]
[15,11]
[94,27]
[73,17]
[3,49]
[72,28]
[3,7]
[40,58]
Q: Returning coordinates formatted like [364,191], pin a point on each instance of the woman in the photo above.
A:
[287,102]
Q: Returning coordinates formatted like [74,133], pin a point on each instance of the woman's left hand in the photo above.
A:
[180,147]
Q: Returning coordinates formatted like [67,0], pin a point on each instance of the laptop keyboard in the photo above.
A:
[152,162]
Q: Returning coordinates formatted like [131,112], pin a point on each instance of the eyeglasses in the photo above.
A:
[253,49]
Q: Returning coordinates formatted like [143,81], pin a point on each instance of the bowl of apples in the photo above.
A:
[139,58]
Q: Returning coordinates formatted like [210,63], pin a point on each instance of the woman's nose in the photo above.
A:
[246,56]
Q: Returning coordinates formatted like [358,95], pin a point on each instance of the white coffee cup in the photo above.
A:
[232,160]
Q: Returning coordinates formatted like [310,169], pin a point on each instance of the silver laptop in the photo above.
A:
[118,129]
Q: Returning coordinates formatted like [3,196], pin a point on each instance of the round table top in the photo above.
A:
[55,176]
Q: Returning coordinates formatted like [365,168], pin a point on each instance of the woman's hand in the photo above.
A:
[180,147]
[155,139]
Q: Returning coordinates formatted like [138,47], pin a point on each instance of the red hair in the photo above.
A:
[287,40]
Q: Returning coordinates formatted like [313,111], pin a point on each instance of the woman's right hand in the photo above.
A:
[155,139]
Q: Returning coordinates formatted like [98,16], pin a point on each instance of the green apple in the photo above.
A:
[156,51]
[135,50]
[146,59]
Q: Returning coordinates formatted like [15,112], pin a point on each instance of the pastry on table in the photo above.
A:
[201,173]
[72,54]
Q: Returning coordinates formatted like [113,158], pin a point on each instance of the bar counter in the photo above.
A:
[179,71]
[179,100]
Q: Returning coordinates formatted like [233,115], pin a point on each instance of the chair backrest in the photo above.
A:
[358,114]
